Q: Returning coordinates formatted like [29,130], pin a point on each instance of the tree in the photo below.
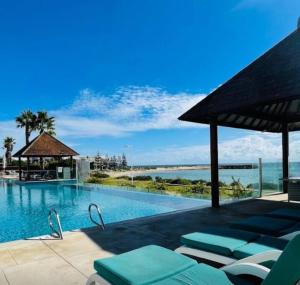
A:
[27,120]
[124,161]
[44,123]
[119,162]
[98,164]
[8,144]
[113,162]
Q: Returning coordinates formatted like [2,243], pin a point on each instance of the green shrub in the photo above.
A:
[179,181]
[238,190]
[159,179]
[143,178]
[93,180]
[200,181]
[125,177]
[221,184]
[197,189]
[100,175]
[161,186]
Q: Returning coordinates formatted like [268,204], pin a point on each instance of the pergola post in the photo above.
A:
[214,164]
[285,157]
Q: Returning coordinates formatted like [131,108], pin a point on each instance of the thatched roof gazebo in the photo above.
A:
[265,96]
[44,145]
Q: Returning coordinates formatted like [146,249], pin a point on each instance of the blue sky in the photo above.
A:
[117,74]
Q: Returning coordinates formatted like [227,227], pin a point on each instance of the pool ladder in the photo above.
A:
[101,224]
[57,233]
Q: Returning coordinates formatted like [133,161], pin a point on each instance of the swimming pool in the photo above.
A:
[24,208]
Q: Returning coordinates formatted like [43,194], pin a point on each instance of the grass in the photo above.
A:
[183,187]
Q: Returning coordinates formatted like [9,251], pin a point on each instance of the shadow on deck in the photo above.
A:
[166,230]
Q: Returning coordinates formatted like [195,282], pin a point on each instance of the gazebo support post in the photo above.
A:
[71,161]
[20,174]
[27,174]
[285,157]
[214,164]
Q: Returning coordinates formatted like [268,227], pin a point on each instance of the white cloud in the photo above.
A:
[137,109]
[128,110]
[245,149]
[125,111]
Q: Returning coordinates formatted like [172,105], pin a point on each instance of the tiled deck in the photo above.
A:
[70,261]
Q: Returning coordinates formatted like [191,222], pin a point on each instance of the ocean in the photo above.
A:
[272,172]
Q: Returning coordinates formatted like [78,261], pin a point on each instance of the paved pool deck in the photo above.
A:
[70,261]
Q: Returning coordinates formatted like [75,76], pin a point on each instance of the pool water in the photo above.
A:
[24,208]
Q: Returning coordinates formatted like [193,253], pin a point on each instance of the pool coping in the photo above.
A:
[18,182]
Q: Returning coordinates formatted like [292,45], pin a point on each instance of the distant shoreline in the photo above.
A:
[136,171]
[158,169]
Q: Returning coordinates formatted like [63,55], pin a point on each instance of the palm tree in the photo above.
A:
[27,120]
[44,123]
[8,144]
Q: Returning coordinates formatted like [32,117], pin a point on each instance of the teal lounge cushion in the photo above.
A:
[260,245]
[222,241]
[200,274]
[264,225]
[142,266]
[286,213]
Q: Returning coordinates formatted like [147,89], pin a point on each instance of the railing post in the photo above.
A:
[214,165]
[260,177]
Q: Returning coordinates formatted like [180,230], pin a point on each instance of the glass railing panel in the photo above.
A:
[294,169]
[241,181]
[271,177]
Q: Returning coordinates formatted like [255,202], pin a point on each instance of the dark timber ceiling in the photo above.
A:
[261,97]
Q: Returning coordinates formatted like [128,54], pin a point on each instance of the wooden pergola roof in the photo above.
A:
[265,96]
[261,97]
[45,145]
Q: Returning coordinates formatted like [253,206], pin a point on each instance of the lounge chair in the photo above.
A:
[226,246]
[286,213]
[153,265]
[264,225]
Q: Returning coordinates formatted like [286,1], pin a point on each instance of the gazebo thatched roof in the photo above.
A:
[45,145]
[261,97]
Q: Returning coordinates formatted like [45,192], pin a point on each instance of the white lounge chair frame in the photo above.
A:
[97,279]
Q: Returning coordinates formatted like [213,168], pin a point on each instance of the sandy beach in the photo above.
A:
[141,171]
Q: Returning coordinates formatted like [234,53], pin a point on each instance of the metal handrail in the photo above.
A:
[58,232]
[99,214]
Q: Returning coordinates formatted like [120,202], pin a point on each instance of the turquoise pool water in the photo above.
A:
[24,208]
